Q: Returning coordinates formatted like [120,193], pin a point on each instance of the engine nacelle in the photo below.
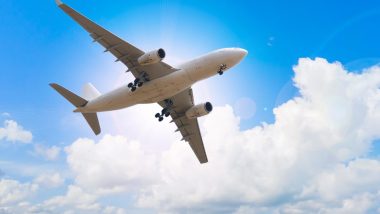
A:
[152,57]
[199,110]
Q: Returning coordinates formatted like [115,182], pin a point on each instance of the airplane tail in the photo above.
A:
[89,92]
[77,101]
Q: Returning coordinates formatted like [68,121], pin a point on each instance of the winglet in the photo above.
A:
[58,2]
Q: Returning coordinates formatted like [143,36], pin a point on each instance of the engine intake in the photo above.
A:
[152,57]
[199,110]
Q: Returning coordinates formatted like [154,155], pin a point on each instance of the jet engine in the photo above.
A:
[152,57]
[199,110]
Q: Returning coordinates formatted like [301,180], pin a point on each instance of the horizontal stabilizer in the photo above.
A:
[92,120]
[74,99]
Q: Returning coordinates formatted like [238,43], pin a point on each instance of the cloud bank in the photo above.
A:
[310,159]
[313,159]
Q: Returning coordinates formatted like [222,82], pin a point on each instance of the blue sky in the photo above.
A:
[41,44]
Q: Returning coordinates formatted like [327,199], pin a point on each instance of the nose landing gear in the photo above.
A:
[165,111]
[222,68]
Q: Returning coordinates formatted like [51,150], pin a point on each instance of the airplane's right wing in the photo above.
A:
[189,128]
[122,50]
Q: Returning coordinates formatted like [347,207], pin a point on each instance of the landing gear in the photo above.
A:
[222,68]
[165,112]
[138,82]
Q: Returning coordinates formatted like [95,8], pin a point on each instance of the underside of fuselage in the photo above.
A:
[167,86]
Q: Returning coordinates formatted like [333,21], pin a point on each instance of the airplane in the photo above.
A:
[155,82]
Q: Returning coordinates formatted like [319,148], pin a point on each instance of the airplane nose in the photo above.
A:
[242,52]
[239,54]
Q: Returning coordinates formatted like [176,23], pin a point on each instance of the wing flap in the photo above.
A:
[192,135]
[189,128]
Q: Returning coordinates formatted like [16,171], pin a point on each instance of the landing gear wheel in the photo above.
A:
[157,115]
[133,88]
[130,85]
[137,80]
[220,72]
[140,84]
[167,114]
[160,119]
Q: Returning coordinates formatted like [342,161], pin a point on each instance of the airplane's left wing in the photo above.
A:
[122,50]
[189,128]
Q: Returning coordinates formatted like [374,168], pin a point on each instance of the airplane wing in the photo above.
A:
[189,128]
[122,50]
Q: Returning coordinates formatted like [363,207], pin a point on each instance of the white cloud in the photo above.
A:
[361,203]
[15,133]
[6,114]
[303,161]
[49,180]
[48,153]
[76,198]
[301,156]
[115,210]
[270,41]
[343,181]
[12,191]
[312,159]
[114,164]
[74,201]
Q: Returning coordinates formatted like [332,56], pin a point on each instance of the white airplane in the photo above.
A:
[155,82]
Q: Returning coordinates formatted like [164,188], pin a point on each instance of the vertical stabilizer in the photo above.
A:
[89,92]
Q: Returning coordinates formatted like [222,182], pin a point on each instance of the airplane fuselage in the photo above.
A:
[167,86]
